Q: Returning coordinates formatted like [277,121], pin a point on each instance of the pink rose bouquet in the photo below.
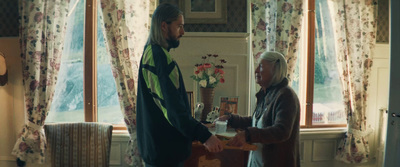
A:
[208,74]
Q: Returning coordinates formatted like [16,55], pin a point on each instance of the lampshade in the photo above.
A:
[3,70]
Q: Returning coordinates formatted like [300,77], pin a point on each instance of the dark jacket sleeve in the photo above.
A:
[239,122]
[175,104]
[286,110]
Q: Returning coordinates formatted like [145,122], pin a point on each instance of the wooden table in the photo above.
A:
[227,158]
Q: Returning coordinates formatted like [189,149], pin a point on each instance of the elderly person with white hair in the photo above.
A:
[274,126]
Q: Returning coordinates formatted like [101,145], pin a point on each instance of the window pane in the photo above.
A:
[107,97]
[298,79]
[296,75]
[299,82]
[328,102]
[67,105]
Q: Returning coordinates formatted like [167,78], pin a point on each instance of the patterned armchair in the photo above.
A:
[78,144]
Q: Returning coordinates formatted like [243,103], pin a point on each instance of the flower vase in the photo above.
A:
[207,97]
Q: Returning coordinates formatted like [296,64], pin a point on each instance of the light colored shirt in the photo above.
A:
[255,157]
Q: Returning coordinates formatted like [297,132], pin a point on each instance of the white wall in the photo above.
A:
[318,147]
[11,101]
[229,46]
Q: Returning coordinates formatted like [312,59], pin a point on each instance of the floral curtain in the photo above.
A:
[126,29]
[354,24]
[276,26]
[42,29]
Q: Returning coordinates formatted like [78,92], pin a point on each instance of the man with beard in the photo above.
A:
[165,127]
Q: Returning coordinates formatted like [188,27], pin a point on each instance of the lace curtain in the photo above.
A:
[276,26]
[126,30]
[354,24]
[42,29]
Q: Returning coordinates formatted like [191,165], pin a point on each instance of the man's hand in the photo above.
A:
[213,144]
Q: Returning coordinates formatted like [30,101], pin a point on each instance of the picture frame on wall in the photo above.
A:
[204,11]
[228,105]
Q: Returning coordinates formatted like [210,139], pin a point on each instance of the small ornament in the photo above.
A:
[198,110]
[211,116]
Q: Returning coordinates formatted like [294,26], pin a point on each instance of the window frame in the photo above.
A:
[90,62]
[307,106]
[90,65]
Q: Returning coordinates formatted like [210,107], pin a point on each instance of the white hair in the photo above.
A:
[280,65]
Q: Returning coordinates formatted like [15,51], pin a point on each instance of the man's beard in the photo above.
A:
[172,43]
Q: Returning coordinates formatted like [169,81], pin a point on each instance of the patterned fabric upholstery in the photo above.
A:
[78,144]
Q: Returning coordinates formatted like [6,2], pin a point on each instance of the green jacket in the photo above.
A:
[165,127]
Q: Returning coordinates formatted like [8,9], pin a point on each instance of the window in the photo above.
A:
[85,89]
[316,78]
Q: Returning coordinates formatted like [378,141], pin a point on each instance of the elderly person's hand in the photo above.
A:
[224,117]
[221,118]
[239,139]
